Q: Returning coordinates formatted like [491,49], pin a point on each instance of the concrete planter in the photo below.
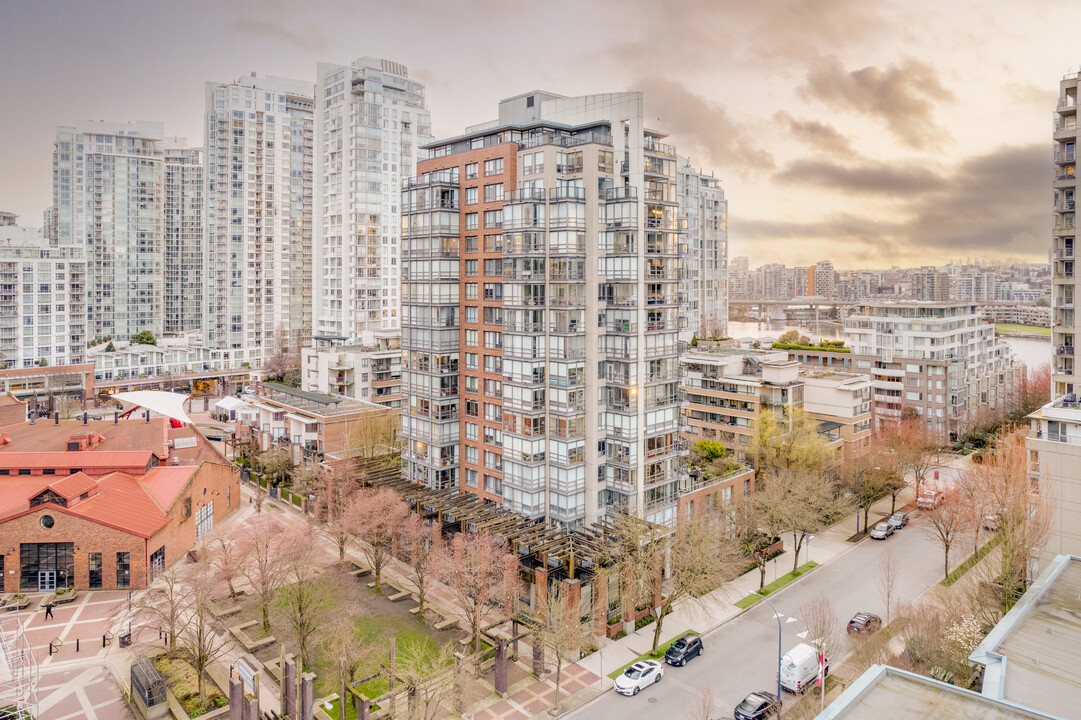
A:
[65,597]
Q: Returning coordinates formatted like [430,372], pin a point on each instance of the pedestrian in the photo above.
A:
[49,609]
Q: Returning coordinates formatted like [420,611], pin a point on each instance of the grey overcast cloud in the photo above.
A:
[870,133]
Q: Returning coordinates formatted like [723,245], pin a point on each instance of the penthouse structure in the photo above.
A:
[541,311]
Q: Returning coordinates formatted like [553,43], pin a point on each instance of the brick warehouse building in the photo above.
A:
[104,505]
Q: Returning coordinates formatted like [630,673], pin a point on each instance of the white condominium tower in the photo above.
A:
[540,311]
[1064,319]
[370,118]
[704,212]
[107,195]
[258,179]
[183,228]
[42,299]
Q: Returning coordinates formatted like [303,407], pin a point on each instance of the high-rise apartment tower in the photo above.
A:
[370,119]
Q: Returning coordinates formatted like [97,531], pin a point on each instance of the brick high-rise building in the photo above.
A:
[541,311]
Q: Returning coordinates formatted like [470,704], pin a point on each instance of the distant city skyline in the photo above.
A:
[874,134]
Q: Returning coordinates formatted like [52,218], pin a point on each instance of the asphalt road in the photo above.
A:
[741,655]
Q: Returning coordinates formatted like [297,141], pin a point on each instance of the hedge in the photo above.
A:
[795,346]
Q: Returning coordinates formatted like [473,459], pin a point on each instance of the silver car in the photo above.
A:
[882,531]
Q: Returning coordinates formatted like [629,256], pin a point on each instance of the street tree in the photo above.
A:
[820,620]
[634,554]
[747,523]
[798,504]
[307,595]
[945,523]
[700,559]
[889,571]
[560,630]
[914,450]
[788,442]
[344,647]
[261,545]
[864,480]
[703,706]
[420,542]
[481,573]
[375,516]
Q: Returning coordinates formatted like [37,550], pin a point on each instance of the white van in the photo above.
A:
[799,668]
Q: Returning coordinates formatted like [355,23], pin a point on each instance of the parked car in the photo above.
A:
[864,622]
[799,668]
[882,531]
[639,675]
[898,520]
[683,650]
[930,499]
[757,705]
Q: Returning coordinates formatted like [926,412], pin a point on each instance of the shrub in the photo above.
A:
[639,624]
[620,634]
[616,619]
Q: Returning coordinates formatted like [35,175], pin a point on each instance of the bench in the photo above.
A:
[398,596]
[446,625]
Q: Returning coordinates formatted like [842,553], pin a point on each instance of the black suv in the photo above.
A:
[757,705]
[864,622]
[683,649]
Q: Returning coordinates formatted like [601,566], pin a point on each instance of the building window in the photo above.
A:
[492,218]
[123,570]
[493,167]
[470,221]
[471,243]
[470,171]
[204,520]
[157,562]
[471,196]
[94,570]
[471,478]
[493,192]
[471,267]
[47,522]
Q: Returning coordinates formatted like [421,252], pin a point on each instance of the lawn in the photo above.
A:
[777,584]
[967,565]
[1008,328]
[661,650]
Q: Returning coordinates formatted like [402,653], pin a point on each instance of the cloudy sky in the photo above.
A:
[870,133]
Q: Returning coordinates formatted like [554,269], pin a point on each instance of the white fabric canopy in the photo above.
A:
[229,403]
[169,404]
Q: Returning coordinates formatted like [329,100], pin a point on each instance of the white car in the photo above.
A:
[638,676]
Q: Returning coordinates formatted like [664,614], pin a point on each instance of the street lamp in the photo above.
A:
[309,711]
[778,616]
[859,495]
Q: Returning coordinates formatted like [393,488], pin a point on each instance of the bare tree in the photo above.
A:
[202,639]
[635,555]
[888,572]
[224,557]
[1035,390]
[374,438]
[420,541]
[799,504]
[306,596]
[699,559]
[702,707]
[1021,512]
[344,647]
[375,517]
[945,522]
[914,450]
[745,522]
[428,677]
[481,574]
[561,631]
[789,442]
[260,540]
[334,490]
[166,604]
[820,619]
